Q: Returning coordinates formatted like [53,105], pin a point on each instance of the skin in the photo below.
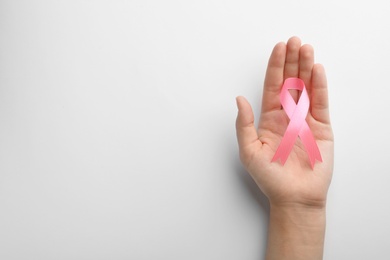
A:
[296,192]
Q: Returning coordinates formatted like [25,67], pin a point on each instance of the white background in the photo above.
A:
[117,136]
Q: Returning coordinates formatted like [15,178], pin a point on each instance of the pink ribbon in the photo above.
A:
[298,126]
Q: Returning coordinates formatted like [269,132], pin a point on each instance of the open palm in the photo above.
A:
[295,182]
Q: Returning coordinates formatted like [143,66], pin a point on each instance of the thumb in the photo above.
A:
[246,131]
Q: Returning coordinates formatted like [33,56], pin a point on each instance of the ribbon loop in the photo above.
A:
[298,126]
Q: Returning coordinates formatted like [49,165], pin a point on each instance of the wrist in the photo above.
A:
[296,232]
[300,215]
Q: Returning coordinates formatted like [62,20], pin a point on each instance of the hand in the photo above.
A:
[295,183]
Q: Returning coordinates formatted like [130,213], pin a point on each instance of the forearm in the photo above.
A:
[296,232]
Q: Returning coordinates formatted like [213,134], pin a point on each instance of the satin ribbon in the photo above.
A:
[298,126]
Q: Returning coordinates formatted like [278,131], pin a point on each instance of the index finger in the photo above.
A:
[274,78]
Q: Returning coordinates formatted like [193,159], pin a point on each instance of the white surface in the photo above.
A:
[117,135]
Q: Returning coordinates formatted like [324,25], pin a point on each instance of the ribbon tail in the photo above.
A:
[310,144]
[286,145]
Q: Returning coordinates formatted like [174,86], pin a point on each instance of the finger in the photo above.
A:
[246,131]
[306,63]
[319,95]
[274,78]
[291,67]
